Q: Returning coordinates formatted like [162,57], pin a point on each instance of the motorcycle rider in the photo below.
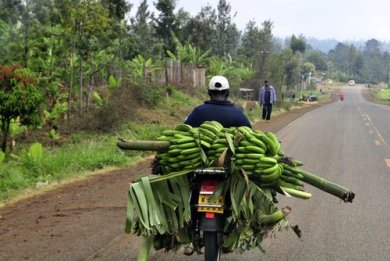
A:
[341,94]
[218,108]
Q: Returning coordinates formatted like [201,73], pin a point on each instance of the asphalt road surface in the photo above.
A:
[347,143]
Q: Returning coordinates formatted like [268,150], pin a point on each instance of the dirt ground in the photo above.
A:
[84,219]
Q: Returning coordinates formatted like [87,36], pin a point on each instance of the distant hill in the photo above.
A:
[325,45]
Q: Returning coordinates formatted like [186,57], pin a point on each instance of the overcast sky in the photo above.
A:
[343,20]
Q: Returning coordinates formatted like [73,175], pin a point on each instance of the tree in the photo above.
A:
[374,66]
[297,45]
[256,46]
[339,57]
[201,30]
[166,25]
[291,68]
[250,40]
[142,32]
[117,8]
[318,59]
[117,11]
[20,99]
[10,10]
[227,32]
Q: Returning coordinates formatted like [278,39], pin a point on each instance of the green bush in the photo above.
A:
[148,94]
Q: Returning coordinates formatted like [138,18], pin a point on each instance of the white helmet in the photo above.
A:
[218,83]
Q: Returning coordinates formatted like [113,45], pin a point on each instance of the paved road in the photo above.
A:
[348,143]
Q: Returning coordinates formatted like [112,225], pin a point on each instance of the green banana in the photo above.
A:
[221,141]
[183,127]
[245,129]
[275,140]
[216,146]
[220,150]
[210,127]
[190,151]
[291,180]
[240,162]
[269,170]
[255,141]
[249,155]
[296,193]
[169,132]
[268,160]
[183,140]
[241,149]
[187,145]
[250,161]
[248,166]
[205,144]
[245,143]
[217,124]
[255,149]
[189,156]
[271,174]
[206,132]
[163,138]
[270,145]
[174,152]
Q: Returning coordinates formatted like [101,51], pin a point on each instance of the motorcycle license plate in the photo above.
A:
[204,204]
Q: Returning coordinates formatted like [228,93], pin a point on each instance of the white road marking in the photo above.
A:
[387,161]
[381,139]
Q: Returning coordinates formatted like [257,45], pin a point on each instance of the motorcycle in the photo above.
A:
[341,98]
[207,216]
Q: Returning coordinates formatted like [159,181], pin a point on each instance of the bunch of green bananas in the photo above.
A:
[251,152]
[158,205]
[188,146]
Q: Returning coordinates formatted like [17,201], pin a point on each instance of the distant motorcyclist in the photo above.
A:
[342,95]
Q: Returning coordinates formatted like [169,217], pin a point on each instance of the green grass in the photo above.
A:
[69,161]
[383,94]
[87,152]
[380,95]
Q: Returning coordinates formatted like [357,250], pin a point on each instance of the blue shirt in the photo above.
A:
[224,112]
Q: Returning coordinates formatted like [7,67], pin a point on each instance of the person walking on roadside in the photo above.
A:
[267,98]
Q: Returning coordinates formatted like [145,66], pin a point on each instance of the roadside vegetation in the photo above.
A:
[32,166]
[381,95]
[76,75]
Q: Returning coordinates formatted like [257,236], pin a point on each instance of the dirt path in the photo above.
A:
[85,219]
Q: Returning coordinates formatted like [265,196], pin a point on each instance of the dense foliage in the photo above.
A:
[83,51]
[20,100]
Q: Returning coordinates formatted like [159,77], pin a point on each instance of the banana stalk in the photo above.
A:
[143,145]
[327,186]
[276,216]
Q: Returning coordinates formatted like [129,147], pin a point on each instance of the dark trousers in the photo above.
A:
[267,110]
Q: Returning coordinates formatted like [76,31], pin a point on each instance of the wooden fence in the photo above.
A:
[177,73]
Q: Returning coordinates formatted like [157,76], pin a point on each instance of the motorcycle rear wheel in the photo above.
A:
[212,250]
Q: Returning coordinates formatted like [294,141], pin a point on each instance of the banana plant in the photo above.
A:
[189,54]
[137,66]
